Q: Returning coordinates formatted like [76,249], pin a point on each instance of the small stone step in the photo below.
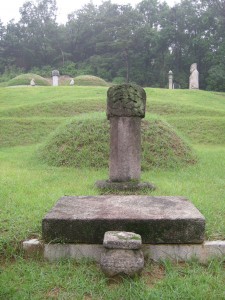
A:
[122,240]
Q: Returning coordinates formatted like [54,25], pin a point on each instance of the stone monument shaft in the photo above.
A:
[55,77]
[125,148]
[125,108]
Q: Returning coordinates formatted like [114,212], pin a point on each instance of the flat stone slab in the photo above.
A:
[159,220]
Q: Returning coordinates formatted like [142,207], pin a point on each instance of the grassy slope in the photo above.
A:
[29,189]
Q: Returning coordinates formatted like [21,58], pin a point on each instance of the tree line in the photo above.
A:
[120,43]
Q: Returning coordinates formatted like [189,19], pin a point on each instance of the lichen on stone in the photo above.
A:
[126,100]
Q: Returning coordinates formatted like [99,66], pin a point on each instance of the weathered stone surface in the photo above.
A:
[126,100]
[125,149]
[203,252]
[183,252]
[55,77]
[170,78]
[33,247]
[122,240]
[157,219]
[55,73]
[125,108]
[119,261]
[72,81]
[124,186]
[194,77]
[53,252]
[32,82]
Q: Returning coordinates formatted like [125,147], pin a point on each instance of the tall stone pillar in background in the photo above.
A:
[55,77]
[194,77]
[125,109]
[170,77]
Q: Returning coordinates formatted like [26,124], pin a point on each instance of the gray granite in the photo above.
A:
[202,252]
[131,185]
[126,100]
[158,220]
[119,261]
[122,240]
[194,77]
[125,149]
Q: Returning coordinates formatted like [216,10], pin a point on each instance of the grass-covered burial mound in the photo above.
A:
[85,143]
[24,79]
[89,80]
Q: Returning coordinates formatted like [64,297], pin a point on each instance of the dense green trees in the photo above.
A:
[120,43]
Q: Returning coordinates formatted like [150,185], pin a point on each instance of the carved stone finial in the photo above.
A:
[55,73]
[126,100]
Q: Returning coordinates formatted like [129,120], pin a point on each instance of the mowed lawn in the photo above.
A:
[30,187]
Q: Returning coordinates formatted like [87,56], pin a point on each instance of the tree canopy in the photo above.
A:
[120,43]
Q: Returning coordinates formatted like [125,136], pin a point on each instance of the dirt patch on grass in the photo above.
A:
[153,274]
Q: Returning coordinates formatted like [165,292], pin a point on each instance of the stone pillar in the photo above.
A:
[170,77]
[125,108]
[194,77]
[55,77]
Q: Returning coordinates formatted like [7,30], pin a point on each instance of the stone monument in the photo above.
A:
[72,82]
[170,78]
[130,220]
[194,77]
[125,109]
[32,82]
[55,77]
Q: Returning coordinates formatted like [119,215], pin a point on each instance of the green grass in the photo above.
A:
[161,146]
[29,188]
[89,80]
[24,79]
[72,280]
